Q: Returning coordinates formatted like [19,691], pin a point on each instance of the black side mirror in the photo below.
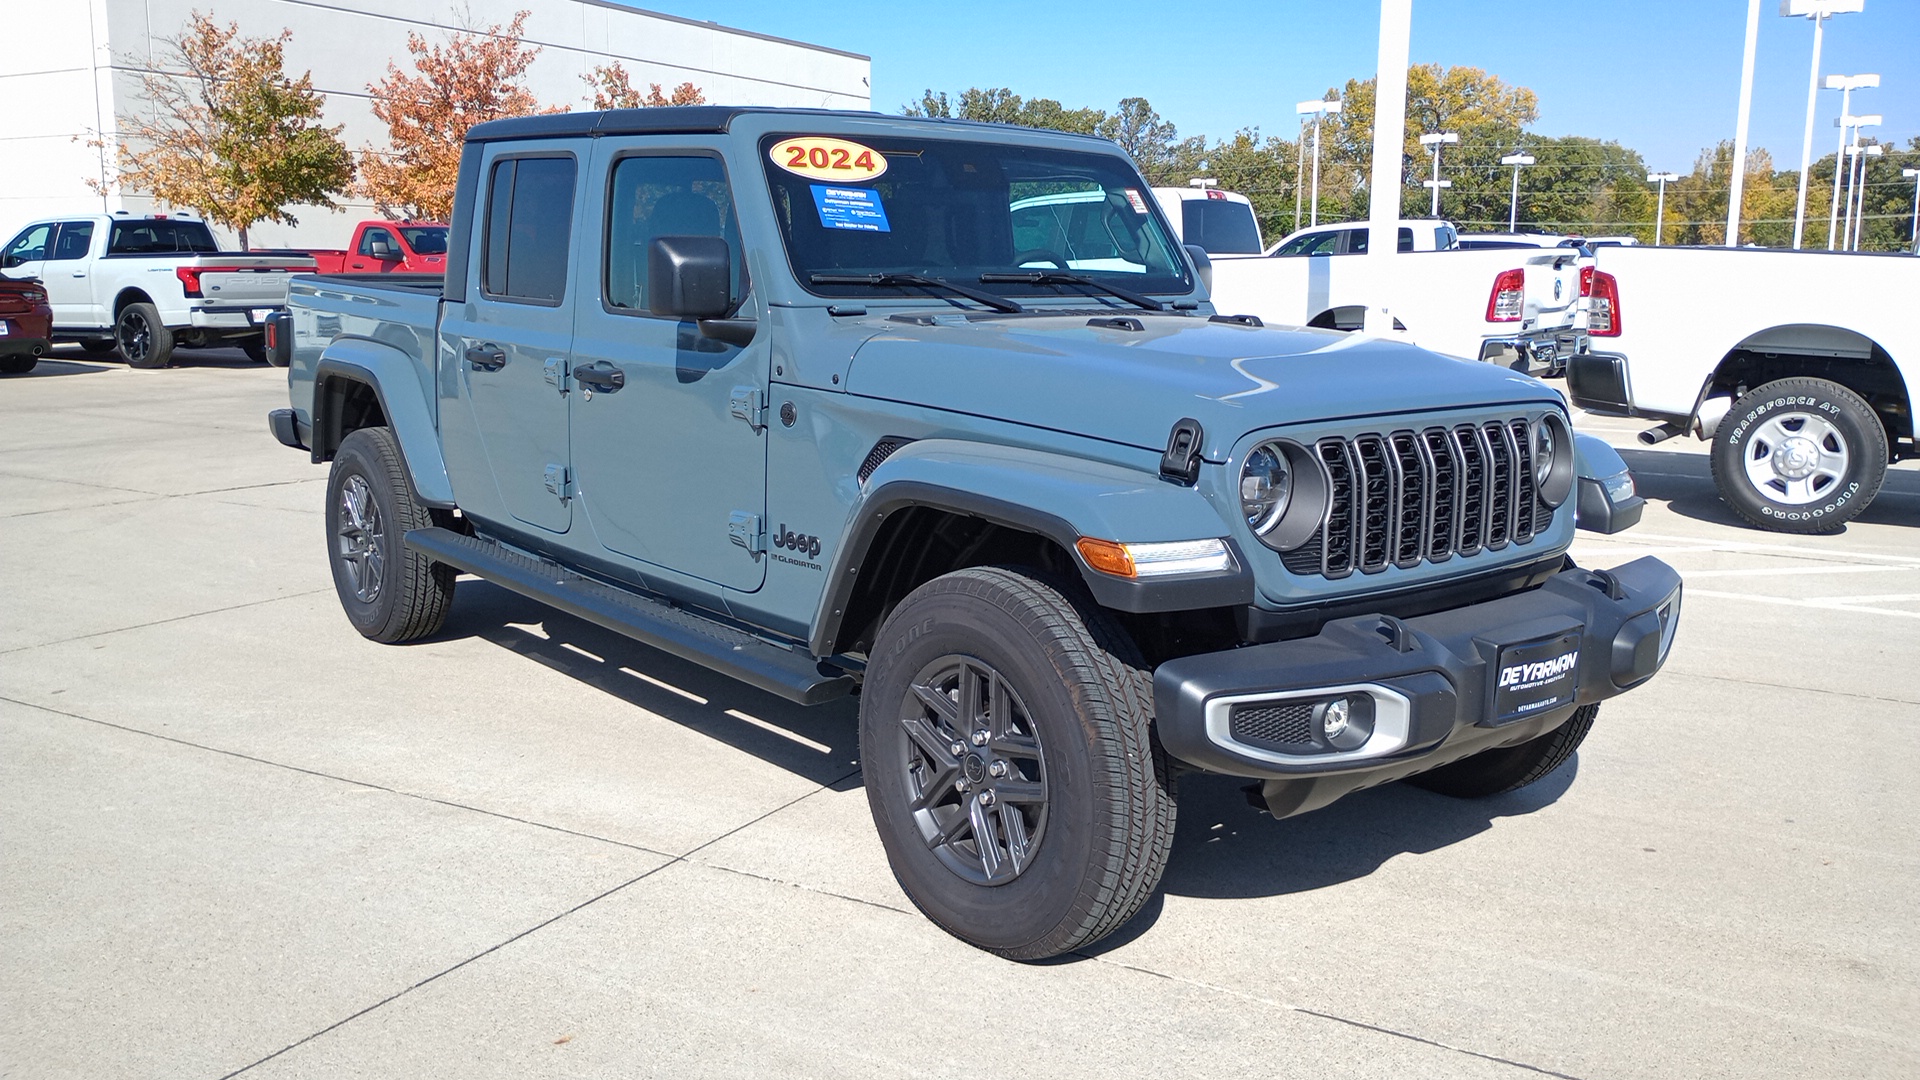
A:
[379,249]
[690,277]
[11,261]
[1202,265]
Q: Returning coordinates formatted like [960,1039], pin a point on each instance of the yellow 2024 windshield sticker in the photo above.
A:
[818,157]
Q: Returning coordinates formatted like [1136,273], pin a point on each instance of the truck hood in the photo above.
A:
[1130,386]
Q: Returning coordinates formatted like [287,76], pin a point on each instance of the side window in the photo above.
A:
[529,226]
[381,239]
[650,197]
[73,241]
[1406,239]
[29,246]
[1356,241]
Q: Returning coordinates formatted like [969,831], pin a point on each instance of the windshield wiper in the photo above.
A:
[1055,277]
[902,281]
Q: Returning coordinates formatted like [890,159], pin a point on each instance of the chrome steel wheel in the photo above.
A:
[976,778]
[361,539]
[1796,457]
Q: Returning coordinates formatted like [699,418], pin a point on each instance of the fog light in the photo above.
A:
[1334,721]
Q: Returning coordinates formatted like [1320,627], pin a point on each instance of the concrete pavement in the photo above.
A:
[237,838]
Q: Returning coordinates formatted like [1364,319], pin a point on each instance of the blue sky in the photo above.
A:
[1661,77]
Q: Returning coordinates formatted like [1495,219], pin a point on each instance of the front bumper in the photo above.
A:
[1437,688]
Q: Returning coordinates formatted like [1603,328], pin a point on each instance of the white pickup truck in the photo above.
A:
[1524,309]
[143,285]
[1802,378]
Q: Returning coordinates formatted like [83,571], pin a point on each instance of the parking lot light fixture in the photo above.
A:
[1819,11]
[1318,110]
[1914,175]
[1436,140]
[1513,202]
[1846,84]
[1660,215]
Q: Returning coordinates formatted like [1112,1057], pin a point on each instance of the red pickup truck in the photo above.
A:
[389,247]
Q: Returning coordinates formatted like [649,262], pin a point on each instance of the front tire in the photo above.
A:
[1009,763]
[1510,768]
[389,592]
[1799,456]
[143,340]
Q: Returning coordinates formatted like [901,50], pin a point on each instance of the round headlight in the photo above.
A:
[1265,485]
[1544,446]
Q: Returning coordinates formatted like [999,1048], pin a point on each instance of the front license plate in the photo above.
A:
[1535,677]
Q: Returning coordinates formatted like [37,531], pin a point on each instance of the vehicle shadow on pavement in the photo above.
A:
[49,367]
[820,744]
[1685,483]
[1224,849]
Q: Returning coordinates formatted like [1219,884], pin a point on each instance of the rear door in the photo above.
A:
[513,334]
[673,460]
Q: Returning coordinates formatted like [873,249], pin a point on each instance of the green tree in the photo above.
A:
[230,134]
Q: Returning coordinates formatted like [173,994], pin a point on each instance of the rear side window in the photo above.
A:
[74,240]
[529,227]
[160,237]
[1221,226]
[1357,241]
[651,197]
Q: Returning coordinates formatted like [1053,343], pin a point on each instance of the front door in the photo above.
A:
[512,336]
[69,286]
[26,254]
[673,463]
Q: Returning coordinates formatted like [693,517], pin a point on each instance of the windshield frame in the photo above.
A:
[1179,283]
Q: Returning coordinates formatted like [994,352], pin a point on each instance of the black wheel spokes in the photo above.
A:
[976,777]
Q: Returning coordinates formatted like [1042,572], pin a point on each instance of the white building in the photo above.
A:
[72,66]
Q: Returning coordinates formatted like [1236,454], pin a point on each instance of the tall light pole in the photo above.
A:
[1852,156]
[1389,142]
[1660,215]
[1819,11]
[1513,202]
[1734,197]
[1859,196]
[1914,175]
[1846,84]
[1436,140]
[1318,109]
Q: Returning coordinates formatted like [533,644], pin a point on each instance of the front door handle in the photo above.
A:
[488,357]
[601,375]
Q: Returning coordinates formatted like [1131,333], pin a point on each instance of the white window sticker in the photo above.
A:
[1139,204]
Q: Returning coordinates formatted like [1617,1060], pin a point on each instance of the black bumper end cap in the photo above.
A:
[285,427]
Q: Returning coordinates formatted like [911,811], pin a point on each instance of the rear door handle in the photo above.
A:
[601,375]
[488,357]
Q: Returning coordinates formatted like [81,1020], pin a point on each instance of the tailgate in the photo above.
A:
[261,281]
[1553,288]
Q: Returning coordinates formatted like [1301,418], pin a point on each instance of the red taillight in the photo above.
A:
[271,334]
[190,275]
[1508,298]
[1603,310]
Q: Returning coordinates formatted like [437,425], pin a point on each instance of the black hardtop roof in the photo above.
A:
[688,120]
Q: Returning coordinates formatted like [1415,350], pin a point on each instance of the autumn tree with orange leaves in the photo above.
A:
[473,78]
[613,90]
[229,134]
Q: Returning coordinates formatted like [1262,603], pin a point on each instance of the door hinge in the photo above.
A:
[744,529]
[745,404]
[556,372]
[560,482]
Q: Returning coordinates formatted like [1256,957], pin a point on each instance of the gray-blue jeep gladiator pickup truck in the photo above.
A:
[940,413]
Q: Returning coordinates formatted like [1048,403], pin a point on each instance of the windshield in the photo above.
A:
[957,210]
[426,239]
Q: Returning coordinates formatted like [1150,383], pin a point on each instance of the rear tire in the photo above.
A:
[1009,762]
[256,351]
[1799,456]
[1496,772]
[389,592]
[99,346]
[17,365]
[144,341]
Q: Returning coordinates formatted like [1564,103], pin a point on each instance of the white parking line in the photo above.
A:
[1823,605]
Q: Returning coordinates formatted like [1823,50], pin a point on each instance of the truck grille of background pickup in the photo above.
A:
[1283,726]
[1407,497]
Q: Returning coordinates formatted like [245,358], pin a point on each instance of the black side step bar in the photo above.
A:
[790,674]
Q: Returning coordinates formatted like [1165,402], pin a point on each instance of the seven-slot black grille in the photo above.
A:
[1404,497]
[1277,726]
